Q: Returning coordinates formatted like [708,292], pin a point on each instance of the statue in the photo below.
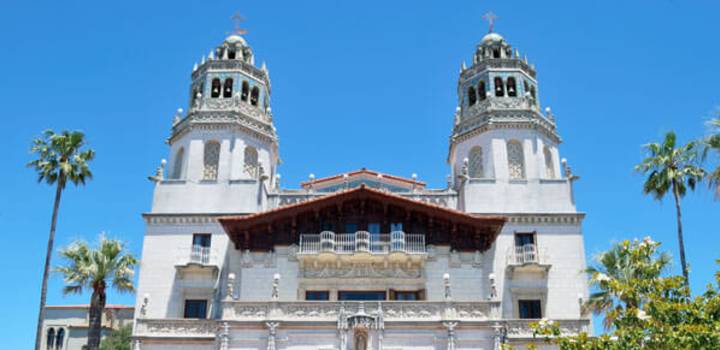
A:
[276,287]
[230,291]
[446,283]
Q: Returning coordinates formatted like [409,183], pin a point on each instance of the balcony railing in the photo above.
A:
[362,242]
[197,255]
[525,254]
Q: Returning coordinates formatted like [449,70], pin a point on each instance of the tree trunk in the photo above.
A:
[48,256]
[681,242]
[97,306]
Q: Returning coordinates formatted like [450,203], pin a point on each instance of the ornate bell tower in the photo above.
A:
[224,150]
[503,149]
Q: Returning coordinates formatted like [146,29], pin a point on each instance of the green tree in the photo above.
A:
[118,339]
[60,159]
[617,264]
[672,168]
[95,269]
[663,315]
[713,144]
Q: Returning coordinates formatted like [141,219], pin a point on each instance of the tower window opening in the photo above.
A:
[549,165]
[251,166]
[511,87]
[231,54]
[472,98]
[60,339]
[211,159]
[496,53]
[228,88]
[499,87]
[50,338]
[177,166]
[215,92]
[481,91]
[532,92]
[254,96]
[245,91]
[526,86]
[475,163]
[516,160]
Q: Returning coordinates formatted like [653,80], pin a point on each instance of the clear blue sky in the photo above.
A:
[355,84]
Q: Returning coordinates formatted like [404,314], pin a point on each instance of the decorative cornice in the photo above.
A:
[498,63]
[217,120]
[543,218]
[183,219]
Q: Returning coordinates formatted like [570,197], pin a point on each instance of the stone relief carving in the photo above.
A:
[361,270]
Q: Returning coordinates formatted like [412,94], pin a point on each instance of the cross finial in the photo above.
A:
[490,17]
[237,19]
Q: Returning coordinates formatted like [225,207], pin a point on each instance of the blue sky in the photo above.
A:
[355,84]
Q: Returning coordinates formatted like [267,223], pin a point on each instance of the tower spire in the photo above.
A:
[491,18]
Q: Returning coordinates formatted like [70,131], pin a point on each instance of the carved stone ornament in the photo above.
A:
[361,270]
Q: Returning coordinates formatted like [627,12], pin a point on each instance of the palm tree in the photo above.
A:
[96,269]
[618,265]
[60,159]
[672,168]
[713,143]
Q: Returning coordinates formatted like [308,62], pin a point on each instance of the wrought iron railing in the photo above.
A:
[526,254]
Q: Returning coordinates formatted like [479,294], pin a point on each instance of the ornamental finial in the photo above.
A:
[490,17]
[237,19]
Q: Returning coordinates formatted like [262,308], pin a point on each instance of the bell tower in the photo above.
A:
[503,149]
[224,150]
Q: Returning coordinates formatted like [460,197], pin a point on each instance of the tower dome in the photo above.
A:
[492,37]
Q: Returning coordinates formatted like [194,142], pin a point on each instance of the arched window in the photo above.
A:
[472,98]
[60,339]
[549,166]
[532,92]
[245,91]
[511,87]
[251,162]
[526,86]
[499,87]
[481,90]
[227,88]
[254,96]
[475,163]
[211,158]
[231,53]
[516,160]
[178,165]
[50,338]
[215,93]
[496,53]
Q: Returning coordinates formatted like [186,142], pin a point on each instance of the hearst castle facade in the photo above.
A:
[360,260]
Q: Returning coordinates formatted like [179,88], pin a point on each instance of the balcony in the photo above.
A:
[362,247]
[362,242]
[197,259]
[527,258]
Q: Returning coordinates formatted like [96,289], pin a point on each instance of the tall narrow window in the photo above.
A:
[50,338]
[251,162]
[178,165]
[499,87]
[511,87]
[549,165]
[475,163]
[526,86]
[472,98]
[60,339]
[245,91]
[211,159]
[532,92]
[215,92]
[482,94]
[516,160]
[496,53]
[228,88]
[231,53]
[255,96]
[201,248]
